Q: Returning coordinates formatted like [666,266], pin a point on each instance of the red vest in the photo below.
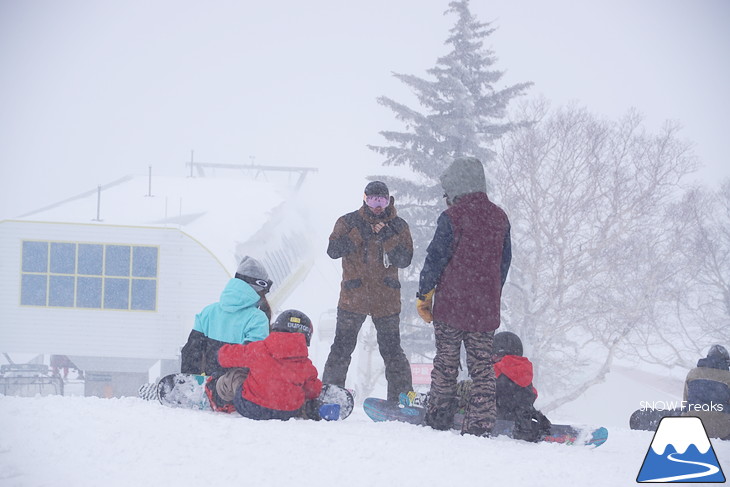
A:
[470,289]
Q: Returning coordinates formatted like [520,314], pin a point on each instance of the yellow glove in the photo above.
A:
[424,305]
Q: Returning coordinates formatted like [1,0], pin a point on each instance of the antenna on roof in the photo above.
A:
[192,153]
[149,184]
[98,204]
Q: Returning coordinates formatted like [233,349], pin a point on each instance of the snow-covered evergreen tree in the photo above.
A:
[461,113]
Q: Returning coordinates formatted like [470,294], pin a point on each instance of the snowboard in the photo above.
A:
[381,410]
[184,391]
[188,391]
[335,402]
[648,419]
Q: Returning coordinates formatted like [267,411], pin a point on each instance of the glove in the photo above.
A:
[424,305]
[385,233]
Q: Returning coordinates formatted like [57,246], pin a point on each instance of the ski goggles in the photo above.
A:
[264,284]
[376,201]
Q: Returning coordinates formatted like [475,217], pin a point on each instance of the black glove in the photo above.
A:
[385,233]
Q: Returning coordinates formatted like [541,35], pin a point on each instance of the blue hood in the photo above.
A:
[238,295]
[235,318]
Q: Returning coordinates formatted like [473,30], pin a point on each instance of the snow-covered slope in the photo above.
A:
[77,441]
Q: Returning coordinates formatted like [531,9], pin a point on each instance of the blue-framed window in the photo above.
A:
[89,275]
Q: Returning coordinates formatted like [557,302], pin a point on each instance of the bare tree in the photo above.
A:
[701,234]
[587,199]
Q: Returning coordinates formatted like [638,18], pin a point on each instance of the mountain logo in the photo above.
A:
[680,452]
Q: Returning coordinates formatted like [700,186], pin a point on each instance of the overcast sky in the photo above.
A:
[93,90]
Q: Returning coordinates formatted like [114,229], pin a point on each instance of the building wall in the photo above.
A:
[188,277]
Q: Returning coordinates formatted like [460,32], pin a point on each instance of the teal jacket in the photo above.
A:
[235,318]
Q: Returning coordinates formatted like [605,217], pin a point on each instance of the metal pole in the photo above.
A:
[149,186]
[98,203]
[192,154]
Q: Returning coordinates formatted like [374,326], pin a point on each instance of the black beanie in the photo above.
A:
[376,188]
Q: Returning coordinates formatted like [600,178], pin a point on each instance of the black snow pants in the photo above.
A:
[397,368]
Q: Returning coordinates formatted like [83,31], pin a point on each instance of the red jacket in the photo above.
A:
[281,375]
[517,369]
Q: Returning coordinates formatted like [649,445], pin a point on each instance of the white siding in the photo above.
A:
[189,278]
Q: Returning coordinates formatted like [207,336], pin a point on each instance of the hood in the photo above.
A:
[517,369]
[713,362]
[238,295]
[465,175]
[285,345]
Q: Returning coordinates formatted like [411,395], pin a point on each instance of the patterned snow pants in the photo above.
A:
[481,409]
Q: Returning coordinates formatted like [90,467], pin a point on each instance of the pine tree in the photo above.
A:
[462,114]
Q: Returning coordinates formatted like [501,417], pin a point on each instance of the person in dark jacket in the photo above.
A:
[460,290]
[280,376]
[513,373]
[373,243]
[707,392]
[515,394]
[235,318]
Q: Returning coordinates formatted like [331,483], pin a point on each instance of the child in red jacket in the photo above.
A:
[280,375]
[514,392]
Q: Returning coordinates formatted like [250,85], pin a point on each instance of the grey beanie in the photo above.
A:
[251,267]
[465,175]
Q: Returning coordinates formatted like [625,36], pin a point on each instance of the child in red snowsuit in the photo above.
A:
[281,377]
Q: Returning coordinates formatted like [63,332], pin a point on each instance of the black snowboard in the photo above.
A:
[648,419]
[381,410]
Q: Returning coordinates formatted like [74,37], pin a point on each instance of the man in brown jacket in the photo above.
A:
[373,242]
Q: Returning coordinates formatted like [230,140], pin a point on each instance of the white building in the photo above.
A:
[113,278]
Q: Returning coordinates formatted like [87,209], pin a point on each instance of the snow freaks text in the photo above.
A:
[681,405]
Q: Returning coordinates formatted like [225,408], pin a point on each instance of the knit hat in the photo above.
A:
[251,270]
[376,188]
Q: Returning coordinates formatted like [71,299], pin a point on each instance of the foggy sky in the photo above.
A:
[92,91]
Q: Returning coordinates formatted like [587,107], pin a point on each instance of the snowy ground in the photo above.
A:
[86,441]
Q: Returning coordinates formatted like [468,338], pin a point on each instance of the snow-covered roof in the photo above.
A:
[219,212]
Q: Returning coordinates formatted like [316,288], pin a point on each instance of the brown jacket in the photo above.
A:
[707,389]
[368,286]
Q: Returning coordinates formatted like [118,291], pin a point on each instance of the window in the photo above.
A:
[89,275]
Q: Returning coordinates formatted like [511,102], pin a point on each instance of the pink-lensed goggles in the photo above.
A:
[376,201]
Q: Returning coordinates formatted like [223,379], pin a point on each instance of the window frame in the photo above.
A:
[86,286]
